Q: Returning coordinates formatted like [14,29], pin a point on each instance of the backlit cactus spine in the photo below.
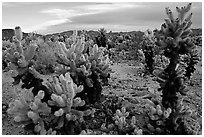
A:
[174,39]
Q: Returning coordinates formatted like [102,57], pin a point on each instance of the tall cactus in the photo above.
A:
[174,40]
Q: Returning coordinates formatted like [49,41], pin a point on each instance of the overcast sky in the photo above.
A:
[58,17]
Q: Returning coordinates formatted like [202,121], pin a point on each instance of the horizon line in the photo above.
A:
[86,30]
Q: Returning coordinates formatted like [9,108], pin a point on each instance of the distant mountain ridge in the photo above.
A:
[7,34]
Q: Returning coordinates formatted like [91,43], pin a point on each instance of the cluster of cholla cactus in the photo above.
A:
[125,124]
[158,118]
[174,40]
[163,121]
[55,104]
[86,69]
[64,92]
[54,114]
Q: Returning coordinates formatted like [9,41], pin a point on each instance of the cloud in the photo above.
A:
[95,9]
[147,14]
[45,25]
[85,10]
[61,16]
[65,16]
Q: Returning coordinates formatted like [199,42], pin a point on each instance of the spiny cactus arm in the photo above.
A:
[122,112]
[96,53]
[16,72]
[18,33]
[194,59]
[63,47]
[41,107]
[79,49]
[11,57]
[61,59]
[180,112]
[34,72]
[18,45]
[182,11]
[40,128]
[74,114]
[77,102]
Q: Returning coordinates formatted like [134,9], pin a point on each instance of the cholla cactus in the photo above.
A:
[62,108]
[158,116]
[99,62]
[126,124]
[30,109]
[63,96]
[174,39]
[120,118]
[20,60]
[84,68]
